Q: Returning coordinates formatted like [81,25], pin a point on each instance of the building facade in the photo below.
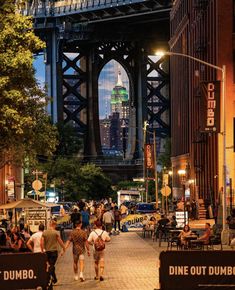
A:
[202,29]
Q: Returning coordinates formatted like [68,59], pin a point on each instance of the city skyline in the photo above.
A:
[107,81]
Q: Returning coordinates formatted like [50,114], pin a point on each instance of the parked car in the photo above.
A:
[55,210]
[144,207]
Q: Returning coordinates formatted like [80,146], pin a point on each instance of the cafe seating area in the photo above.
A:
[169,238]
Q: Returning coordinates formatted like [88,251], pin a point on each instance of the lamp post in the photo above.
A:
[182,176]
[223,83]
[144,168]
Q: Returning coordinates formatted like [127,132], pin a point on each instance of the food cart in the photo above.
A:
[34,212]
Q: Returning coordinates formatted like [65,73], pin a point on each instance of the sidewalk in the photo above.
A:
[130,263]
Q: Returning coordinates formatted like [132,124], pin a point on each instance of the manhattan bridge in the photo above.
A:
[81,37]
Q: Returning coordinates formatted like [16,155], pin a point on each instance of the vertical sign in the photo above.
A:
[149,156]
[210,107]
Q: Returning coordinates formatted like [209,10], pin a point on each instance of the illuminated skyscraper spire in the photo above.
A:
[119,81]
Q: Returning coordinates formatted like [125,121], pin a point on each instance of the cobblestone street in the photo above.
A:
[130,263]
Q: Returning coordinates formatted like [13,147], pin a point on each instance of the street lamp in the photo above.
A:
[144,168]
[182,175]
[223,81]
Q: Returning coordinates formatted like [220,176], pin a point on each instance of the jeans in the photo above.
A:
[51,259]
[115,225]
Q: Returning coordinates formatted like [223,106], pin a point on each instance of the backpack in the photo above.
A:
[99,243]
[232,223]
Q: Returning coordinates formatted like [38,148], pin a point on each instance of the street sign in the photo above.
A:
[37,185]
[165,179]
[165,191]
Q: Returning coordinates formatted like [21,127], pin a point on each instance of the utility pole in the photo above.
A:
[155,165]
[144,168]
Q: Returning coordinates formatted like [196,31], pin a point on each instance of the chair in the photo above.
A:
[146,230]
[173,241]
[215,240]
[196,245]
[160,233]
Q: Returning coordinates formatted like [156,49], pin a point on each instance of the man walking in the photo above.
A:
[34,241]
[97,238]
[78,237]
[49,242]
[108,220]
[75,216]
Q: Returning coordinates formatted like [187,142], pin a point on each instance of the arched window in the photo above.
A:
[114,109]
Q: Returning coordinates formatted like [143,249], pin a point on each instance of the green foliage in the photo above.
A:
[79,181]
[25,128]
[94,184]
[69,142]
[165,158]
[128,184]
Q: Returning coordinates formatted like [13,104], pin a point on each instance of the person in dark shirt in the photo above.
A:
[206,236]
[161,228]
[75,217]
[163,221]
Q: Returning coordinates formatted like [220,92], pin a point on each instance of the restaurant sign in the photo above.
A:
[210,107]
[23,271]
[197,270]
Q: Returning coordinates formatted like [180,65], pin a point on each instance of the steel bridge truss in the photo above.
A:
[148,95]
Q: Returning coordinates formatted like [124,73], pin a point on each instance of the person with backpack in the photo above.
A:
[98,237]
[231,225]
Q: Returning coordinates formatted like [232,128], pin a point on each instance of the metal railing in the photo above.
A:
[114,162]
[59,8]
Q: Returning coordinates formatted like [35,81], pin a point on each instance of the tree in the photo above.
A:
[165,158]
[79,181]
[69,142]
[25,128]
[94,184]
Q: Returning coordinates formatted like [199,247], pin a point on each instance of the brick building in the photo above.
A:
[202,29]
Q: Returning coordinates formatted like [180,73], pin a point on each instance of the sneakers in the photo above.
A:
[76,277]
[101,278]
[82,279]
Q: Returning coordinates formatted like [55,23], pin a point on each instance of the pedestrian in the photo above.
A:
[97,238]
[124,210]
[85,219]
[78,237]
[117,218]
[17,243]
[231,225]
[49,242]
[34,241]
[108,220]
[75,216]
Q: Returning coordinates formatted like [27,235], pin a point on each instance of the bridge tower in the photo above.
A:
[81,37]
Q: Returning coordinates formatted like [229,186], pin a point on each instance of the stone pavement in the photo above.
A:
[130,264]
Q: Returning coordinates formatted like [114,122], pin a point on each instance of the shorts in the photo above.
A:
[77,257]
[98,255]
[108,227]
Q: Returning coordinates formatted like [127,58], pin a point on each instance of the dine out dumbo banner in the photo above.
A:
[194,270]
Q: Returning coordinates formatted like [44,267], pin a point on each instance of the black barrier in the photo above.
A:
[22,271]
[193,270]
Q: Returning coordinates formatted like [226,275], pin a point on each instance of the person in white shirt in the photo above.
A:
[108,220]
[98,255]
[34,241]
